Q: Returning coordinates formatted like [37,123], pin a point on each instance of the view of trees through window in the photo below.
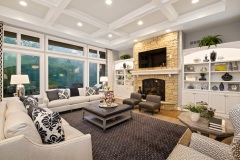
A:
[9,68]
[65,73]
[92,74]
[30,65]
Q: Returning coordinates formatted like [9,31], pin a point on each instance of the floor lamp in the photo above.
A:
[104,80]
[19,80]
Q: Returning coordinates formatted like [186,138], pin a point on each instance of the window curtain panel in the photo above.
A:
[1,57]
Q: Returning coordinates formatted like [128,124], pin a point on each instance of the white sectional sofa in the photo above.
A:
[19,138]
[61,105]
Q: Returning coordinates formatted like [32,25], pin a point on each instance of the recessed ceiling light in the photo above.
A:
[23,3]
[79,24]
[195,1]
[110,36]
[135,40]
[140,23]
[168,30]
[108,2]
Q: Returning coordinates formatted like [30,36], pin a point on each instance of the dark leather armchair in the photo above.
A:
[134,99]
[152,103]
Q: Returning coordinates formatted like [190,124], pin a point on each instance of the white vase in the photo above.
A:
[194,116]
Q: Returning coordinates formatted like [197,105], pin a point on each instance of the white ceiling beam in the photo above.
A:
[45,3]
[169,1]
[54,15]
[85,17]
[120,33]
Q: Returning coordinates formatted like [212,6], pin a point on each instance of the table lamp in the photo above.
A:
[104,79]
[19,80]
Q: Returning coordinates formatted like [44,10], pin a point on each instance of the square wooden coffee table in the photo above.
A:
[107,117]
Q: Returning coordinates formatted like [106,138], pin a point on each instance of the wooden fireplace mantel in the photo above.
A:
[157,71]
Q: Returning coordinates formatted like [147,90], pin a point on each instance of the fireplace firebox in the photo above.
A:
[154,86]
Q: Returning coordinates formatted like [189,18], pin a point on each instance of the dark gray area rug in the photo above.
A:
[143,138]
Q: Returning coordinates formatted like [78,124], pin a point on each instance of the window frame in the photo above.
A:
[67,42]
[20,32]
[98,54]
[18,65]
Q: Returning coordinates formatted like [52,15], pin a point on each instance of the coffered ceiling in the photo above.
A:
[116,26]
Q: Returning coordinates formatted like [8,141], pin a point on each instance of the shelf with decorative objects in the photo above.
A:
[212,74]
[123,78]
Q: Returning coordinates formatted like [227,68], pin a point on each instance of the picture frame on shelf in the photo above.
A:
[191,78]
[233,87]
[220,67]
[190,68]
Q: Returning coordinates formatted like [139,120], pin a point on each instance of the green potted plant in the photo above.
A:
[125,56]
[195,111]
[210,40]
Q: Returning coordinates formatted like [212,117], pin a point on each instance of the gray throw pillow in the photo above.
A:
[30,102]
[63,94]
[90,91]
[52,95]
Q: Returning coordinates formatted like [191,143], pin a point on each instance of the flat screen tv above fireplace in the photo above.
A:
[152,58]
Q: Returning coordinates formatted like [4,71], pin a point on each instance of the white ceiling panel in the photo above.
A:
[71,22]
[148,20]
[114,36]
[32,8]
[107,13]
[185,6]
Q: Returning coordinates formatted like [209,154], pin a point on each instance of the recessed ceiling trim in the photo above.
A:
[62,5]
[169,1]
[46,3]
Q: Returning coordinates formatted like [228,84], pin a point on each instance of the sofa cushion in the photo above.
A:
[81,91]
[3,108]
[58,103]
[71,132]
[63,94]
[74,92]
[79,99]
[19,123]
[52,95]
[49,126]
[95,97]
[13,106]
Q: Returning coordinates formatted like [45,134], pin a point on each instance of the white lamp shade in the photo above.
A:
[19,79]
[103,79]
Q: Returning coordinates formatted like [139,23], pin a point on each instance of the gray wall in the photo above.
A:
[126,51]
[230,32]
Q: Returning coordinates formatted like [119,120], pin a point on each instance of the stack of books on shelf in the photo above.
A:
[217,124]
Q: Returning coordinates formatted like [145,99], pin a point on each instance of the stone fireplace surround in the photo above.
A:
[169,73]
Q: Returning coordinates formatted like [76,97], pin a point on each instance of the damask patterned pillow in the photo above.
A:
[49,126]
[235,147]
[90,91]
[63,94]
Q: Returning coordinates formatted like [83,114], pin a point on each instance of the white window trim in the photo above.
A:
[98,54]
[98,64]
[18,65]
[67,42]
[19,32]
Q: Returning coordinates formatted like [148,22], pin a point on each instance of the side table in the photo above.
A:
[202,126]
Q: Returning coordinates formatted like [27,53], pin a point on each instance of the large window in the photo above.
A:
[93,74]
[9,68]
[93,53]
[64,73]
[64,48]
[30,65]
[96,70]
